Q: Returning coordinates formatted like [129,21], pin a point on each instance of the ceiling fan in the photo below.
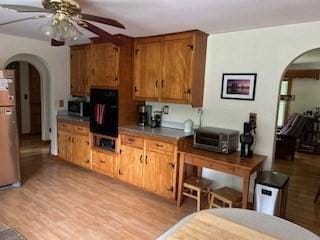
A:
[64,16]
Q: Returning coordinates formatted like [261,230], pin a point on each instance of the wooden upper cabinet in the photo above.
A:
[79,70]
[147,70]
[105,65]
[175,84]
[171,68]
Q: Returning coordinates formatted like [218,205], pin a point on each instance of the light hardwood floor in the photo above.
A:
[61,201]
[304,182]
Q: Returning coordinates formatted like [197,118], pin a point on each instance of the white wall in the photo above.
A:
[307,95]
[56,60]
[25,103]
[266,52]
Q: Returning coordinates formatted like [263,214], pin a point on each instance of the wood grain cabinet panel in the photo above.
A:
[147,70]
[152,167]
[65,146]
[171,68]
[175,84]
[105,64]
[81,151]
[103,163]
[80,70]
[158,176]
[73,144]
[131,162]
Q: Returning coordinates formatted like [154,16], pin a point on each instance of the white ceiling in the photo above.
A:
[150,17]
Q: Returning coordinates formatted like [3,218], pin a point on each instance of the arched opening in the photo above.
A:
[39,67]
[28,98]
[297,138]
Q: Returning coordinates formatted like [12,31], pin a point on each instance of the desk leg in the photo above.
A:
[181,179]
[245,192]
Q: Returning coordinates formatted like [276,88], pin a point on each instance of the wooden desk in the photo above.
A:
[231,164]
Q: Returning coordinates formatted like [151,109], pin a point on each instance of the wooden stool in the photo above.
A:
[226,196]
[194,187]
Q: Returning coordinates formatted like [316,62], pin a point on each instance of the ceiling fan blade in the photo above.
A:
[100,32]
[103,20]
[23,19]
[56,43]
[22,8]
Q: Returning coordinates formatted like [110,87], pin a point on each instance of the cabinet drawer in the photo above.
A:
[65,127]
[81,130]
[160,146]
[132,141]
[103,163]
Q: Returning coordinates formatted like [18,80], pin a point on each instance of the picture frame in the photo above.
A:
[239,86]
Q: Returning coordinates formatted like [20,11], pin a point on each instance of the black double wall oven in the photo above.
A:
[104,112]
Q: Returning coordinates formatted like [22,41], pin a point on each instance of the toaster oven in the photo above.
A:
[216,139]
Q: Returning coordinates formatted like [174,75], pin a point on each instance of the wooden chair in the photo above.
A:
[195,187]
[225,197]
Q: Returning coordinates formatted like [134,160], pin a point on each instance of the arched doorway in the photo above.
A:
[297,145]
[28,96]
[39,66]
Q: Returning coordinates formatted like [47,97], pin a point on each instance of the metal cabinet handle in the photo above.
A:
[101,161]
[157,82]
[141,157]
[170,189]
[130,139]
[146,160]
[159,145]
[162,83]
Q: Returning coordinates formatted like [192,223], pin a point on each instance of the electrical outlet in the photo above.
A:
[61,103]
[253,120]
[165,110]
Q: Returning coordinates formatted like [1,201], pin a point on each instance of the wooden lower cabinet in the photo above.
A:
[152,170]
[73,144]
[103,163]
[81,151]
[65,146]
[130,165]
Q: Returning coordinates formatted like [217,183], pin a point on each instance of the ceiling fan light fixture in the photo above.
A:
[61,29]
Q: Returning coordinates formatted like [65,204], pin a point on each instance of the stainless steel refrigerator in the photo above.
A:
[9,144]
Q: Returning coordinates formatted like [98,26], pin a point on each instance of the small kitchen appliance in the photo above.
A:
[79,108]
[188,126]
[247,140]
[216,139]
[145,112]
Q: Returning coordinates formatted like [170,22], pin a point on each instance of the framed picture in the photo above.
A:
[240,86]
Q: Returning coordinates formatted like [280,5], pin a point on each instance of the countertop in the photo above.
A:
[165,132]
[75,119]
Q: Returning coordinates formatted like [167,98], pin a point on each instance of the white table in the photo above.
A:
[273,226]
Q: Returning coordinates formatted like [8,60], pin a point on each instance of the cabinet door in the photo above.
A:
[150,172]
[176,76]
[166,175]
[103,163]
[65,146]
[131,165]
[159,174]
[79,71]
[105,63]
[147,70]
[81,151]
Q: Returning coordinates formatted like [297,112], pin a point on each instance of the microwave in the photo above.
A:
[216,139]
[79,108]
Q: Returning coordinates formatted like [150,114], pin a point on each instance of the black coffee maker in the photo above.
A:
[144,112]
[247,140]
